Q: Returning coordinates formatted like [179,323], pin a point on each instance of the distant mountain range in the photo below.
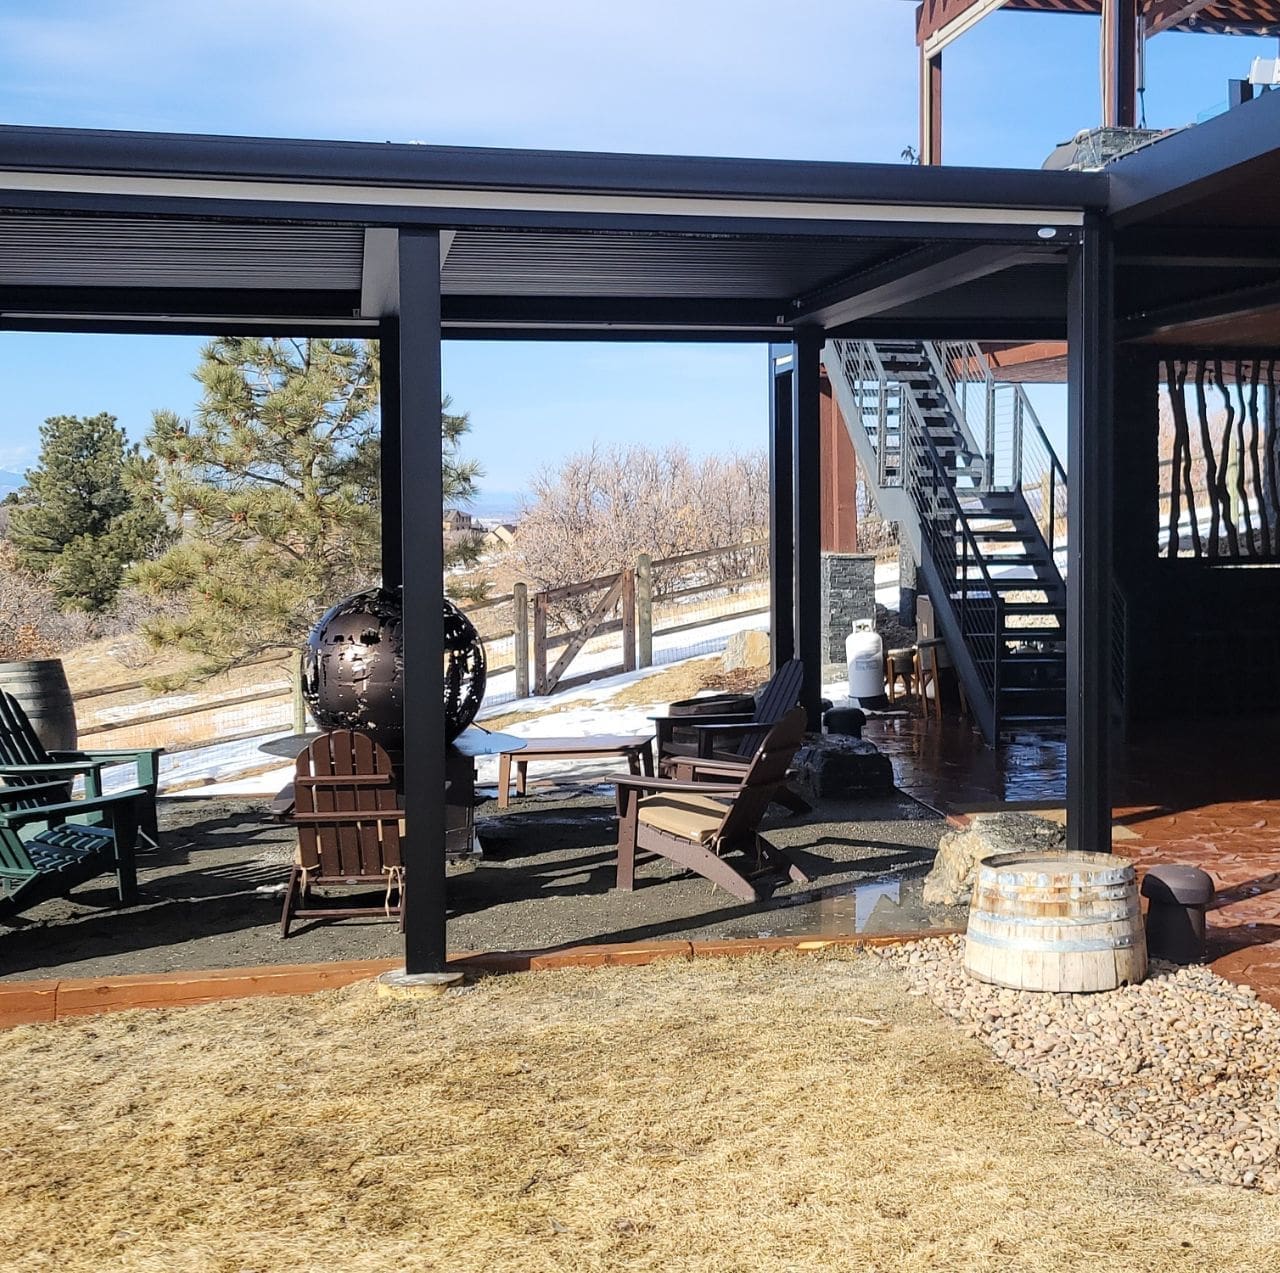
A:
[502,506]
[10,482]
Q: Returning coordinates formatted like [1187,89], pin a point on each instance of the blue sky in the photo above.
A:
[698,76]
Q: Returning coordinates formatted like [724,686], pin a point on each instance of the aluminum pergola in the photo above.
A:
[413,245]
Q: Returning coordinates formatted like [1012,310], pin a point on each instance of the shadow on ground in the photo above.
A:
[210,896]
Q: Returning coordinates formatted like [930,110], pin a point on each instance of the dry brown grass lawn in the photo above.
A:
[713,1116]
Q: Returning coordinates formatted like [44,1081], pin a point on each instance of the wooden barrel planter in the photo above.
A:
[40,686]
[1056,921]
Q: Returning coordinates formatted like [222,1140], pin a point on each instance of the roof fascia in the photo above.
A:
[1178,170]
[174,156]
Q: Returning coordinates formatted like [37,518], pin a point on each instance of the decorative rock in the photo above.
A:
[833,766]
[746,650]
[950,881]
[1181,1067]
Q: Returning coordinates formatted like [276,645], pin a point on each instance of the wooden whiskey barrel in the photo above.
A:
[1056,921]
[40,686]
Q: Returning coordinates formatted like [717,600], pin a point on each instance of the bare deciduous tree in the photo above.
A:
[601,508]
[31,625]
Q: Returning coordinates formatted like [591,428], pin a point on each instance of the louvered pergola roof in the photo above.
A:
[165,232]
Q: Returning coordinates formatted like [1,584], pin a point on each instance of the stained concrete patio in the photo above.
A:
[1205,793]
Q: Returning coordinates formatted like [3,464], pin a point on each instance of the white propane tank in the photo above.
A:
[865,652]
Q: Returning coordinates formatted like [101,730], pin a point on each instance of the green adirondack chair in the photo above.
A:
[43,854]
[25,762]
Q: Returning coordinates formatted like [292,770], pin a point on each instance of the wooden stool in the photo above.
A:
[899,664]
[927,672]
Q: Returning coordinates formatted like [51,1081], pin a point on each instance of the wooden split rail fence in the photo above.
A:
[547,631]
[622,602]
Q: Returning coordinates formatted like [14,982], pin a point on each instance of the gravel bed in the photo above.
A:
[1185,1067]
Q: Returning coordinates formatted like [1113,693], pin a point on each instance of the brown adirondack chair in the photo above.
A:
[739,735]
[348,815]
[722,749]
[698,824]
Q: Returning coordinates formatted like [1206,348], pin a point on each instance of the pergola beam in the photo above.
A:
[910,276]
[939,22]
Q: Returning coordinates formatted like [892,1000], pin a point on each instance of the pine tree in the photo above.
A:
[275,484]
[88,510]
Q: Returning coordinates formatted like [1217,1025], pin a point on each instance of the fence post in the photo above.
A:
[644,610]
[540,643]
[627,604]
[299,703]
[520,606]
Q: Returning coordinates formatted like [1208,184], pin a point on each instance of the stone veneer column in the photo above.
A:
[848,593]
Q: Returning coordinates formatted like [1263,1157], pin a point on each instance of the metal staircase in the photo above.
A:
[961,464]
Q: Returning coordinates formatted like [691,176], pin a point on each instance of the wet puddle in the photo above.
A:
[886,904]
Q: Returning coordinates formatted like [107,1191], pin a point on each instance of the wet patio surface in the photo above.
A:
[1206,793]
[210,896]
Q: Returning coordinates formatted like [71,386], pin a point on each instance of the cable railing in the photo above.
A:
[879,401]
[1017,451]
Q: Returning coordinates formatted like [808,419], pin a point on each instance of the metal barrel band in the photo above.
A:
[1121,942]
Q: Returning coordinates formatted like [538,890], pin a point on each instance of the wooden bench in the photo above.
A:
[638,752]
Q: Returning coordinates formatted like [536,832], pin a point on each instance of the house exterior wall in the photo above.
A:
[839,510]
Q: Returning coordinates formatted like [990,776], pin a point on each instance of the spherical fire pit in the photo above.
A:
[353,668]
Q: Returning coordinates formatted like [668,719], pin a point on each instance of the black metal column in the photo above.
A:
[389,403]
[422,546]
[806,513]
[1090,421]
[781,553]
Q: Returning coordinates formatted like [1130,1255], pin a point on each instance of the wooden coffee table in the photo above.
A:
[637,750]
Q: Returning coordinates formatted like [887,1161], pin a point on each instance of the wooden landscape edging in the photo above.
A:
[58,999]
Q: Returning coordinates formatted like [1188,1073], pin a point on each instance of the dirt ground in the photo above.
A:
[210,897]
[787,1114]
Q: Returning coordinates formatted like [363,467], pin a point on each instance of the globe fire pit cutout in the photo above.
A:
[353,668]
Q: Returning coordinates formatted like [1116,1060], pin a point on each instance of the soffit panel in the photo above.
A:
[61,251]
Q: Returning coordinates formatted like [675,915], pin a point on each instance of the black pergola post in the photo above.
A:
[1090,420]
[422,548]
[389,412]
[781,555]
[806,512]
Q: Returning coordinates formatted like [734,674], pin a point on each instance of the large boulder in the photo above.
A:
[748,650]
[838,767]
[950,882]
